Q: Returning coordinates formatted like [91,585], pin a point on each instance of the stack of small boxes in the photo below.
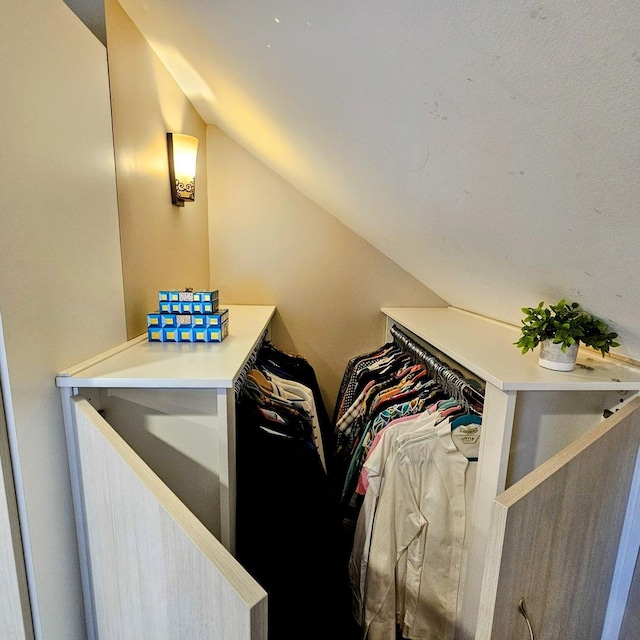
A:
[188,316]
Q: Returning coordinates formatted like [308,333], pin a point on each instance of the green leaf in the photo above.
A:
[565,323]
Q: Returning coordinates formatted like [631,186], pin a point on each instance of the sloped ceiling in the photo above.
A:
[490,149]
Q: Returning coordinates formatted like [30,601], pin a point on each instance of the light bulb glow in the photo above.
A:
[183,153]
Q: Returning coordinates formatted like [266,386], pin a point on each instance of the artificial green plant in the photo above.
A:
[564,323]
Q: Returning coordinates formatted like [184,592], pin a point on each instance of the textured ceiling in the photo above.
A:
[490,149]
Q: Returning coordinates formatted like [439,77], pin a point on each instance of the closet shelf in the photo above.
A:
[141,364]
[485,347]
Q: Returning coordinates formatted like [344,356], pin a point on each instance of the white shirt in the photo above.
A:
[374,467]
[421,512]
[302,397]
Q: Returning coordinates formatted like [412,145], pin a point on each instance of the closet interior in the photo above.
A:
[228,429]
[408,435]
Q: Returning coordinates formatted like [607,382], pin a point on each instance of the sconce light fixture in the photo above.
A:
[183,151]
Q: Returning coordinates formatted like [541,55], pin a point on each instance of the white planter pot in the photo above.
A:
[551,356]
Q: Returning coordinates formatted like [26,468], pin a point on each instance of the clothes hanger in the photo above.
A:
[465,419]
[259,379]
[448,403]
[465,432]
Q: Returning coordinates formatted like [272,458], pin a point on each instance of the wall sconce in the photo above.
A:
[183,151]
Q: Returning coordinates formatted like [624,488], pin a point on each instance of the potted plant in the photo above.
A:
[559,328]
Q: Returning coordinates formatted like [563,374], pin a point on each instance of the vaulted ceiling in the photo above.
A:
[490,149]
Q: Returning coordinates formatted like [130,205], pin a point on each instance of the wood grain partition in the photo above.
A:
[555,537]
[631,623]
[15,609]
[156,572]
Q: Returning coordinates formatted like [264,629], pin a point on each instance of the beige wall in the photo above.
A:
[265,242]
[163,246]
[61,298]
[272,245]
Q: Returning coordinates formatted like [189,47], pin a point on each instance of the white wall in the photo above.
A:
[489,148]
[61,294]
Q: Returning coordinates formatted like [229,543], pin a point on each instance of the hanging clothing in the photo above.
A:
[352,376]
[288,531]
[297,368]
[404,479]
[371,476]
[421,511]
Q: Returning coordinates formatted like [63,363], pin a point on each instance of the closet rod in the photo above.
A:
[248,365]
[450,379]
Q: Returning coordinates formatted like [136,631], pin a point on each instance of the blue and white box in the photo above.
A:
[181,327]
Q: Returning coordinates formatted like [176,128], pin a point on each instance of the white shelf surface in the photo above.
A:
[142,364]
[485,347]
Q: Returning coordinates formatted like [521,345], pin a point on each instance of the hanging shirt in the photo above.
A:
[294,367]
[412,398]
[420,511]
[302,398]
[442,408]
[347,419]
[387,377]
[355,368]
[374,469]
[350,426]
